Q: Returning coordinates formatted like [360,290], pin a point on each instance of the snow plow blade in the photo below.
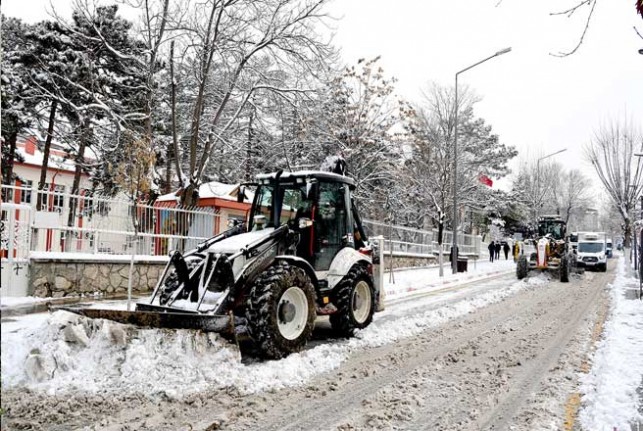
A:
[161,319]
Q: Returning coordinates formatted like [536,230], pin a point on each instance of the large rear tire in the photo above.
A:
[564,269]
[522,267]
[354,298]
[280,311]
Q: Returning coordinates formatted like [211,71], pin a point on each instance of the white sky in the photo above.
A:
[534,101]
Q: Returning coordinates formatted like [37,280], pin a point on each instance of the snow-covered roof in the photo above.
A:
[303,174]
[31,154]
[212,189]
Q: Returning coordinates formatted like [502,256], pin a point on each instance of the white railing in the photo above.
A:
[15,237]
[105,225]
[406,241]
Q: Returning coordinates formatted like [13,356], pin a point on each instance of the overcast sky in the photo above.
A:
[534,101]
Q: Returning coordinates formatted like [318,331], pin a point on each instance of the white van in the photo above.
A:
[592,250]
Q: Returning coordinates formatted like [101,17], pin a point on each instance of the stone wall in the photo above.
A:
[62,277]
[410,262]
[59,277]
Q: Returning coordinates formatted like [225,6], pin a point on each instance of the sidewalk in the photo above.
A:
[406,282]
[612,390]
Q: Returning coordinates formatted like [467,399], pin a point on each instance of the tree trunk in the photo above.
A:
[627,232]
[248,174]
[8,178]
[73,201]
[130,279]
[175,141]
[168,172]
[440,256]
[45,157]
[189,199]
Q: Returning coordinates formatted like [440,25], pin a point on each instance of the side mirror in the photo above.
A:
[242,194]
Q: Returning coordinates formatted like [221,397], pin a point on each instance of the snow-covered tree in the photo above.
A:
[220,64]
[102,93]
[356,118]
[47,57]
[17,101]
[429,165]
[573,195]
[611,152]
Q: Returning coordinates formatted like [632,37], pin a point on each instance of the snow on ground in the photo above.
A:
[408,282]
[609,391]
[66,352]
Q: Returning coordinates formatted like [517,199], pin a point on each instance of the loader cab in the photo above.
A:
[549,225]
[317,205]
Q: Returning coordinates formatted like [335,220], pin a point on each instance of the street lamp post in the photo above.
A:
[539,203]
[454,248]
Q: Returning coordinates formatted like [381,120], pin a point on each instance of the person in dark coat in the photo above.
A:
[505,248]
[492,250]
[498,247]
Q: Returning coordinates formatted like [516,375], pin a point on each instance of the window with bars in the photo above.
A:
[25,195]
[53,199]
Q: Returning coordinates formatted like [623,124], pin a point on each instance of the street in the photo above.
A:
[492,354]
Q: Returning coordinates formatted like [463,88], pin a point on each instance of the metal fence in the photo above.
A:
[406,241]
[104,225]
[15,237]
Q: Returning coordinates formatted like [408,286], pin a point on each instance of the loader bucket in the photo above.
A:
[159,317]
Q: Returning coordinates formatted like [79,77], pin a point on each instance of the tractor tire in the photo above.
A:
[354,298]
[564,269]
[281,311]
[522,267]
[172,283]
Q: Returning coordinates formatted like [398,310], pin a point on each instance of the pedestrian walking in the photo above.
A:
[515,251]
[505,248]
[498,247]
[492,251]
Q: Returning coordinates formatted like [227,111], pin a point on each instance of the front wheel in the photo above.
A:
[522,267]
[354,298]
[280,310]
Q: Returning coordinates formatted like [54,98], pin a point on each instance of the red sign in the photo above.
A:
[485,180]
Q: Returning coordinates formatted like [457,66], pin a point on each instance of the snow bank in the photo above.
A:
[610,401]
[66,352]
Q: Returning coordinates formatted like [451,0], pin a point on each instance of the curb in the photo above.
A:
[46,304]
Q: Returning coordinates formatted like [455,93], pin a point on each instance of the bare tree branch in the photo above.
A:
[582,37]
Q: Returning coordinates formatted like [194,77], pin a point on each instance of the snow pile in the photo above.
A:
[70,352]
[538,279]
[609,390]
